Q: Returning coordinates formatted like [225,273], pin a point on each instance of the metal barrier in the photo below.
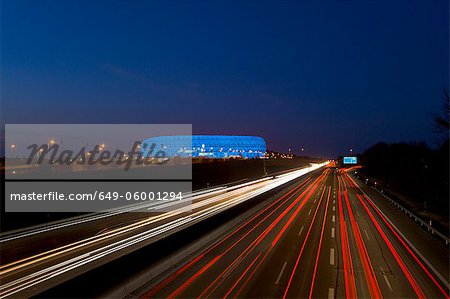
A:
[411,215]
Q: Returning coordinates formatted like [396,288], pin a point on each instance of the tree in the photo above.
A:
[442,121]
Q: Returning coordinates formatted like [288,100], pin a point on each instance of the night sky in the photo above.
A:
[326,76]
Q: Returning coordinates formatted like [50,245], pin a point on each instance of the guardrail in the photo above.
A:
[423,223]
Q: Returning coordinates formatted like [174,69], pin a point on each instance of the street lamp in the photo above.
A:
[12,147]
[41,152]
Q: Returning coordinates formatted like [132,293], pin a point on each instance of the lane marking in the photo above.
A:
[332,232]
[367,235]
[232,268]
[349,279]
[300,232]
[291,277]
[332,256]
[217,281]
[309,212]
[333,219]
[357,213]
[403,239]
[370,276]
[275,241]
[319,249]
[406,271]
[432,268]
[334,201]
[281,273]
[330,293]
[334,208]
[386,279]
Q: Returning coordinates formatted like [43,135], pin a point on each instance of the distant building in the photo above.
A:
[207,146]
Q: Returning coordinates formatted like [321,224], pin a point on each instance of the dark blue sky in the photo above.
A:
[325,76]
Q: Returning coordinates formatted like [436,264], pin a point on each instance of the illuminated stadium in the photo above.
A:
[208,146]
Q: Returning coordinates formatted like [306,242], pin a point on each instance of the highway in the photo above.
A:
[327,236]
[71,248]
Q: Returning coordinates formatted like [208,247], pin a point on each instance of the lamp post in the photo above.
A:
[12,147]
[264,166]
[37,159]
[86,159]
[140,156]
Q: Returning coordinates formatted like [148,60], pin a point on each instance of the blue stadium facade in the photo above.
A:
[208,146]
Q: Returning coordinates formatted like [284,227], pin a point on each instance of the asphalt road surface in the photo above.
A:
[329,236]
[35,260]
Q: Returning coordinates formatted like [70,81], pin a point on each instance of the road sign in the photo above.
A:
[350,160]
